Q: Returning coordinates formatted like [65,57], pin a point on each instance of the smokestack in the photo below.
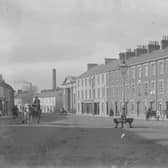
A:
[54,79]
[164,42]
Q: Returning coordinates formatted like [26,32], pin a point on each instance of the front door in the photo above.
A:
[138,108]
[116,109]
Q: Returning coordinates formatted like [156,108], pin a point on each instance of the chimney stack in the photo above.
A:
[109,60]
[140,50]
[129,53]
[153,45]
[54,79]
[122,57]
[164,42]
[90,66]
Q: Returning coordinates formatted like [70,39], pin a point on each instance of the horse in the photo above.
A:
[34,113]
[151,113]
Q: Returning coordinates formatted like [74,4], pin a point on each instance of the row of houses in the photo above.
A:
[6,97]
[138,79]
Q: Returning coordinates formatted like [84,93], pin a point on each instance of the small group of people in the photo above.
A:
[27,110]
[159,114]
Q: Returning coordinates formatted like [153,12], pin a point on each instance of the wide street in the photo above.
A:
[83,141]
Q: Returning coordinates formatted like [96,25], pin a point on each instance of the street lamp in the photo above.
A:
[123,70]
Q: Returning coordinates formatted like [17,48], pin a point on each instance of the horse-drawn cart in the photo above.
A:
[123,121]
[31,113]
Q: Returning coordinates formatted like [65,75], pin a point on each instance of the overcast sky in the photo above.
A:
[38,35]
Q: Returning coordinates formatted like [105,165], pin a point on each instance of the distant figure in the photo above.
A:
[36,103]
[123,115]
[15,111]
[111,113]
[36,109]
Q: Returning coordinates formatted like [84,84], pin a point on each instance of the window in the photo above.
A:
[161,67]
[153,68]
[108,94]
[82,95]
[74,99]
[90,81]
[78,95]
[133,90]
[139,68]
[94,95]
[98,79]
[166,87]
[146,88]
[82,82]
[121,91]
[78,83]
[102,78]
[161,86]
[85,94]
[102,107]
[133,72]
[89,93]
[130,73]
[98,92]
[145,70]
[103,92]
[167,65]
[78,107]
[153,87]
[132,107]
[93,81]
[139,89]
[86,82]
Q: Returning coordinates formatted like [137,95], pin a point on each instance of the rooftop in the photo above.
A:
[155,55]
[101,69]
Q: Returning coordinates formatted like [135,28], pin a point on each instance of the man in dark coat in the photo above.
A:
[36,103]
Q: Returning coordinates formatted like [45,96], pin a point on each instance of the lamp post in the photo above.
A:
[123,70]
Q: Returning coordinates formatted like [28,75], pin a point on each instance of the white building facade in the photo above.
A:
[91,90]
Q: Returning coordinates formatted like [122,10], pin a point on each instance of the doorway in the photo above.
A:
[138,105]
[116,108]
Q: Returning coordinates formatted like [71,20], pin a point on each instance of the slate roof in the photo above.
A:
[155,55]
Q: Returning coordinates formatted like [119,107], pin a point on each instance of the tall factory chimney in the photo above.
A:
[54,79]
